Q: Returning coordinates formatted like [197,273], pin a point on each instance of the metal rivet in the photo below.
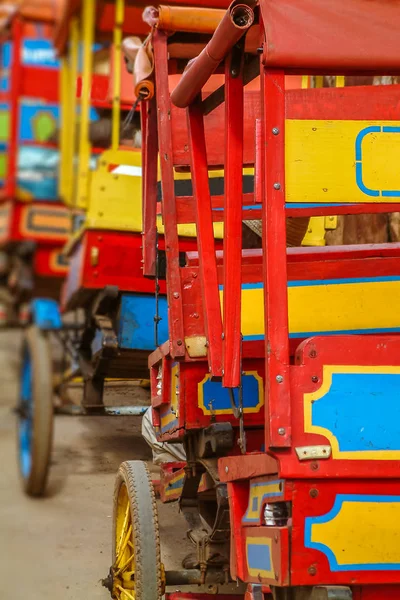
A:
[281,431]
[226,469]
[179,342]
[277,186]
[314,379]
[279,378]
[312,570]
[314,492]
[275,131]
[176,295]
[223,336]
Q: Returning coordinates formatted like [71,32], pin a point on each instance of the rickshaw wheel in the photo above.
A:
[136,573]
[35,410]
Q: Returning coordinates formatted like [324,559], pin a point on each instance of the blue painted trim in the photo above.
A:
[359,180]
[307,334]
[362,134]
[333,564]
[246,207]
[246,518]
[317,204]
[358,150]
[317,282]
[26,425]
[46,313]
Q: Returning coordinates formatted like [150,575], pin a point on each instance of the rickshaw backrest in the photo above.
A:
[215,132]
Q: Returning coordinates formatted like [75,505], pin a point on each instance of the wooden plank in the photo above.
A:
[277,390]
[207,261]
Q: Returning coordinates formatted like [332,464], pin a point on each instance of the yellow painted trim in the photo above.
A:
[360,532]
[310,398]
[260,541]
[328,307]
[172,491]
[340,81]
[64,85]
[228,411]
[259,491]
[88,20]
[321,165]
[116,101]
[71,126]
[315,235]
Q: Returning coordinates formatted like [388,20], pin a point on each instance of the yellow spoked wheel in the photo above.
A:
[136,573]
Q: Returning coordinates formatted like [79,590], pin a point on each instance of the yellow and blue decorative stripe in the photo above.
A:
[357,409]
[213,399]
[260,491]
[360,533]
[333,307]
[259,557]
[175,485]
[51,222]
[169,412]
[168,418]
[363,152]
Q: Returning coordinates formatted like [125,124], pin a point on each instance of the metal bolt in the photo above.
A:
[275,131]
[314,492]
[226,469]
[313,354]
[312,570]
[314,379]
[277,186]
[179,342]
[281,431]
[176,295]
[223,336]
[314,466]
[279,378]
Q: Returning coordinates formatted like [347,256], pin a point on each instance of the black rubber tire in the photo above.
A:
[145,535]
[37,344]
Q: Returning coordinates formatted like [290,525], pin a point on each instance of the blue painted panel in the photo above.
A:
[362,410]
[46,313]
[258,557]
[215,398]
[136,323]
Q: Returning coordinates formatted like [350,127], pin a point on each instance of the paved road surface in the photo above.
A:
[58,548]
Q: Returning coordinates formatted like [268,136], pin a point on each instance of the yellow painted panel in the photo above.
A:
[342,161]
[315,235]
[360,533]
[329,307]
[116,198]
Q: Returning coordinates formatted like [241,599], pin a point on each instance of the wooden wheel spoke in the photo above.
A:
[123,547]
[121,537]
[124,566]
[125,593]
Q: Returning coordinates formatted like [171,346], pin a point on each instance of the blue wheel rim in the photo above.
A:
[26,416]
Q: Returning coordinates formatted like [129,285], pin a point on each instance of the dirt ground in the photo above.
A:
[59,547]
